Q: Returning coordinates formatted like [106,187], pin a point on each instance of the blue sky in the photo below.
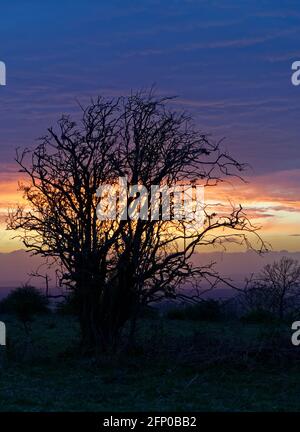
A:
[228,62]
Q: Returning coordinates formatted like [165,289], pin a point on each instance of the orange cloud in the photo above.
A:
[271,201]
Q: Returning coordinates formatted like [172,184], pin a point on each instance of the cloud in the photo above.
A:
[283,57]
[214,44]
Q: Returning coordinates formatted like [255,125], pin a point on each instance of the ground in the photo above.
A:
[177,366]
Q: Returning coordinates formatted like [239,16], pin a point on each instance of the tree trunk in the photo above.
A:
[103,312]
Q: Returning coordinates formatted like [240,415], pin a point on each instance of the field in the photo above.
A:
[177,366]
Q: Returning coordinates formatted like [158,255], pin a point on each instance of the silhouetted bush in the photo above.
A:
[176,313]
[259,316]
[25,302]
[148,312]
[208,310]
[69,306]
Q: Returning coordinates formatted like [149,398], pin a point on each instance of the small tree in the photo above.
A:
[25,302]
[274,287]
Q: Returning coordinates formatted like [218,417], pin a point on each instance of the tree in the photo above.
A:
[115,266]
[25,302]
[275,287]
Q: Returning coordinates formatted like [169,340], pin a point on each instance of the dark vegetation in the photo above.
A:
[25,302]
[179,365]
[209,310]
[190,357]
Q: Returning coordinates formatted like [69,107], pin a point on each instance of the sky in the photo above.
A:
[228,62]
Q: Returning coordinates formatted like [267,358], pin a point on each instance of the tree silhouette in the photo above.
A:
[115,266]
[279,282]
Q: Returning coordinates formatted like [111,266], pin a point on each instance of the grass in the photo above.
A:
[173,369]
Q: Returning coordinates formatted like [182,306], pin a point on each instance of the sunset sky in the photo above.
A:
[229,63]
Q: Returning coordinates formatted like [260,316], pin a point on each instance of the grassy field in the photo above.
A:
[177,366]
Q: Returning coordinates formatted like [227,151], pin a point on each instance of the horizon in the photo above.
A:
[16,272]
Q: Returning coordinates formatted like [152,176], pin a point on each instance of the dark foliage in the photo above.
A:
[25,302]
[209,310]
[259,316]
[69,306]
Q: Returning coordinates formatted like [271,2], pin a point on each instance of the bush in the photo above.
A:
[177,313]
[208,310]
[148,312]
[25,302]
[259,316]
[69,306]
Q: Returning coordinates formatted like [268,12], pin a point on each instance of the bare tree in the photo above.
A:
[276,287]
[115,266]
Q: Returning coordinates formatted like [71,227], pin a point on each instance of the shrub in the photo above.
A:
[25,302]
[177,313]
[208,310]
[258,316]
[148,312]
[69,306]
